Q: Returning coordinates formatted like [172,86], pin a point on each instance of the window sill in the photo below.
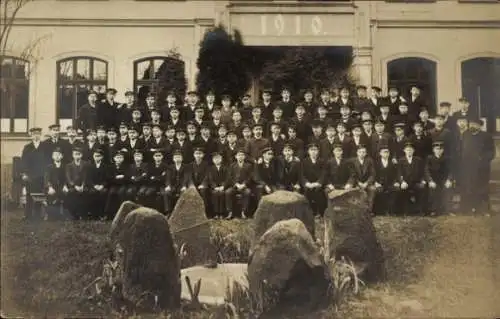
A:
[14,136]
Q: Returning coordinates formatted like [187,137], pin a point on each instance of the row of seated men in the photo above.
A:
[96,189]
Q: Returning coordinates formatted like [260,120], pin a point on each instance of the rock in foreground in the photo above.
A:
[121,214]
[282,205]
[350,233]
[190,227]
[287,269]
[150,262]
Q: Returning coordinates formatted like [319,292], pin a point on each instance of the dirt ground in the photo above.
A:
[438,267]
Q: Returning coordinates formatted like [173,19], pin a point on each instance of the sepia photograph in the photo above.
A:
[250,159]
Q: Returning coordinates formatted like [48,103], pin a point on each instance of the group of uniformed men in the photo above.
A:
[235,153]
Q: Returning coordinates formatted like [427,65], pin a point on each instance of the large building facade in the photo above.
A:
[451,47]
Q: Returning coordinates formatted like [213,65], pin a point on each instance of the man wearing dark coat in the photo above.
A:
[157,174]
[286,104]
[239,181]
[177,181]
[87,114]
[199,169]
[386,182]
[338,173]
[412,182]
[55,184]
[107,110]
[77,181]
[97,183]
[290,169]
[439,179]
[33,164]
[312,180]
[267,174]
[54,141]
[478,152]
[216,180]
[118,180]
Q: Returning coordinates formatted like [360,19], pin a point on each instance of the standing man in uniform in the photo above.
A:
[34,163]
[107,110]
[87,114]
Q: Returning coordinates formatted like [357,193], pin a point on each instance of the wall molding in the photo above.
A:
[54,22]
[437,24]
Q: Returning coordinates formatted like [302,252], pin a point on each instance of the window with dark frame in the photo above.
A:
[145,76]
[14,94]
[76,76]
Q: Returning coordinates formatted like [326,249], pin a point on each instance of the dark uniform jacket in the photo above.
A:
[268,174]
[312,172]
[87,118]
[114,171]
[444,135]
[165,111]
[346,142]
[138,174]
[288,108]
[388,175]
[77,175]
[364,173]
[255,147]
[326,148]
[34,161]
[277,144]
[396,146]
[298,146]
[415,105]
[88,150]
[186,149]
[437,169]
[217,177]
[267,110]
[412,173]
[338,173]
[422,145]
[281,122]
[353,146]
[98,175]
[55,177]
[157,174]
[124,113]
[229,151]
[290,172]
[302,127]
[178,178]
[242,174]
[199,173]
[378,140]
[107,113]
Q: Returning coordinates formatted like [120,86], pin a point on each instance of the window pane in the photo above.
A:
[5,125]
[157,64]
[5,98]
[66,100]
[143,70]
[81,97]
[21,100]
[20,125]
[100,70]
[66,70]
[83,69]
[6,68]
[21,70]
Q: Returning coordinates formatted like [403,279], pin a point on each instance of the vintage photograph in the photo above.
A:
[192,159]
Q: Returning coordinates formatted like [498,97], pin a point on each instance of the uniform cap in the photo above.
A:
[383,146]
[376,88]
[216,153]
[266,149]
[77,149]
[229,132]
[111,90]
[53,126]
[157,151]
[177,152]
[35,130]
[356,125]
[98,151]
[210,92]
[123,124]
[476,119]
[240,150]
[337,145]
[316,123]
[267,90]
[438,144]
[463,100]
[361,145]
[226,97]
[101,128]
[312,145]
[288,145]
[393,88]
[192,93]
[409,144]
[199,149]
[92,92]
[445,104]
[129,93]
[138,151]
[111,129]
[179,130]
[399,125]
[146,124]
[361,87]
[132,127]
[57,149]
[257,125]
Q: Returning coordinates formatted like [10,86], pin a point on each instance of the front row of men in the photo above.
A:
[96,190]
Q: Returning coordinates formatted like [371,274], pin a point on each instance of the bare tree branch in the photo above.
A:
[10,10]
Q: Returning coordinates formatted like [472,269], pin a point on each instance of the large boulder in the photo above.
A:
[282,205]
[287,269]
[150,263]
[125,208]
[191,230]
[350,233]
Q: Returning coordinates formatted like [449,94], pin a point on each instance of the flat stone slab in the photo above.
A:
[214,281]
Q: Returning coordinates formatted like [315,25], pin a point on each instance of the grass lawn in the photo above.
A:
[445,266]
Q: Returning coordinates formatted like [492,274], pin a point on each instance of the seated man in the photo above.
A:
[312,180]
[118,180]
[239,182]
[216,180]
[55,182]
[267,177]
[178,180]
[438,177]
[362,170]
[412,181]
[138,175]
[76,179]
[290,169]
[199,168]
[157,179]
[338,173]
[97,184]
[386,182]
